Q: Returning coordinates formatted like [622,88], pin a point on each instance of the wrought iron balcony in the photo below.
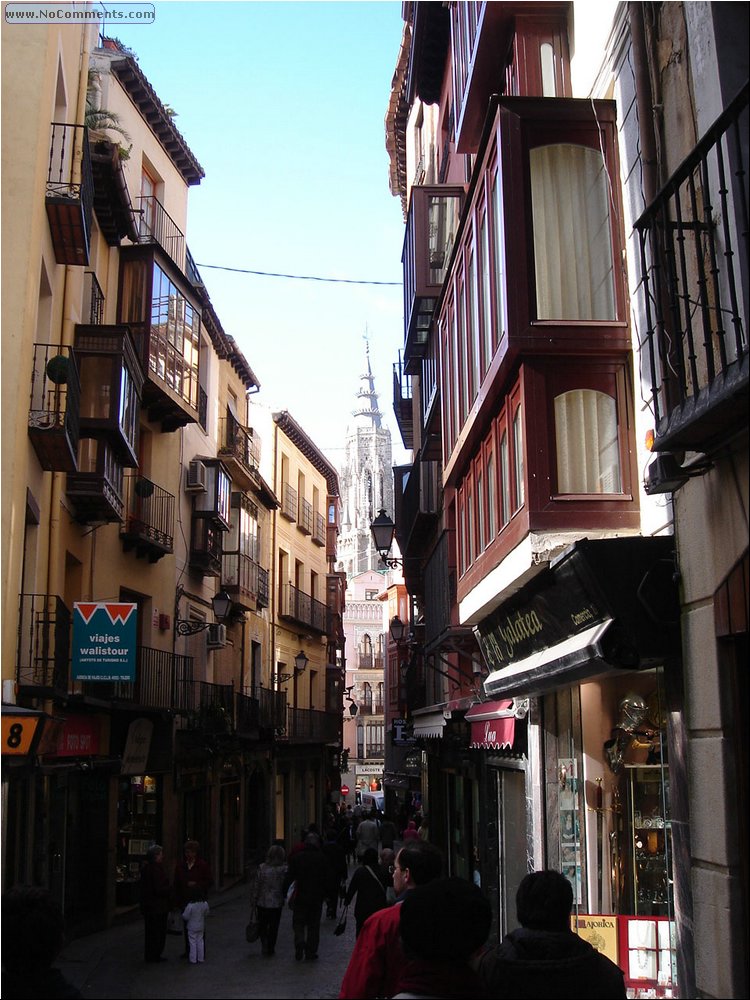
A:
[54,408]
[160,675]
[69,196]
[304,725]
[95,490]
[247,713]
[208,707]
[694,265]
[303,609]
[319,530]
[305,517]
[245,580]
[43,650]
[148,523]
[272,708]
[288,502]
[157,226]
[239,450]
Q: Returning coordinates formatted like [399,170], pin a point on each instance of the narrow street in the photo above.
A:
[109,965]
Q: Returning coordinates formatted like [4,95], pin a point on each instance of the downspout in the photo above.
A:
[644,101]
[55,567]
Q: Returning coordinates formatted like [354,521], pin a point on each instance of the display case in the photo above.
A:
[651,840]
[138,827]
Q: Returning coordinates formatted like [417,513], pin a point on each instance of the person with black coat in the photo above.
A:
[544,958]
[308,870]
[368,885]
[155,901]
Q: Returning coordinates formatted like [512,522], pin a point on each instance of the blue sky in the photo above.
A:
[283,104]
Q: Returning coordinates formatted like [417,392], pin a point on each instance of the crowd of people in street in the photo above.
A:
[418,933]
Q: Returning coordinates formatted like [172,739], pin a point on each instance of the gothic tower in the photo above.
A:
[366,479]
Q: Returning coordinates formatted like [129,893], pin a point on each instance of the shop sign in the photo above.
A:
[493,734]
[104,640]
[402,732]
[19,732]
[600,932]
[562,608]
[413,763]
[137,746]
[78,737]
[368,769]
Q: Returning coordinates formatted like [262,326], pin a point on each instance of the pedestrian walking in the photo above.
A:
[267,897]
[387,833]
[544,957]
[155,902]
[33,932]
[410,833]
[442,924]
[348,839]
[337,872]
[193,872]
[307,869]
[194,915]
[368,835]
[387,865]
[368,886]
[378,957]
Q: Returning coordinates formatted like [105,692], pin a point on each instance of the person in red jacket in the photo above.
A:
[193,872]
[377,960]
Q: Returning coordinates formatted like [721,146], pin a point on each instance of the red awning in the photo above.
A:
[493,725]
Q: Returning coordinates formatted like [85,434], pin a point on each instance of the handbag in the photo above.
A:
[341,925]
[252,930]
[175,923]
[291,895]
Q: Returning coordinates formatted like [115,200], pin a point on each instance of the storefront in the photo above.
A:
[593,643]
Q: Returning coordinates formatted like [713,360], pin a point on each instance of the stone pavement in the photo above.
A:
[109,965]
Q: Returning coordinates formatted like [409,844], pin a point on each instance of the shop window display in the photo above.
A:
[138,823]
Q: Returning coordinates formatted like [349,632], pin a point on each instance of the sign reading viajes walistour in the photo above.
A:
[104,635]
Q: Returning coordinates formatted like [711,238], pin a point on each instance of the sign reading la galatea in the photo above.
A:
[104,641]
[561,606]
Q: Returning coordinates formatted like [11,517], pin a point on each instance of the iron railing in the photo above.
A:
[55,407]
[288,502]
[43,647]
[157,226]
[303,608]
[319,530]
[208,707]
[305,725]
[694,264]
[247,713]
[238,443]
[305,517]
[159,675]
[94,297]
[272,706]
[149,514]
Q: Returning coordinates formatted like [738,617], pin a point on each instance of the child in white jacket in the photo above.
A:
[194,915]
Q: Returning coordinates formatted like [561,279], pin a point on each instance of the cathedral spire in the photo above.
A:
[366,414]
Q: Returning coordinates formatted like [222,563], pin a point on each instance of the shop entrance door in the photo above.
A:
[512,843]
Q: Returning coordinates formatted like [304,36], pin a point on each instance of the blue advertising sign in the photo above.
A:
[104,638]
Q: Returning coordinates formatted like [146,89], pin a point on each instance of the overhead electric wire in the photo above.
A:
[298,277]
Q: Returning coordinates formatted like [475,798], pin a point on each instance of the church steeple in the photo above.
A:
[366,477]
[367,413]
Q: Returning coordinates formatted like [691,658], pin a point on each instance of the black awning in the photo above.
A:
[604,605]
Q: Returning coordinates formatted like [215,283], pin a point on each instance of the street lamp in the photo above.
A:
[222,606]
[397,629]
[353,707]
[382,530]
[300,665]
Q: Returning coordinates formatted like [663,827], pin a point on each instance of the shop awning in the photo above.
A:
[493,725]
[606,605]
[431,724]
[574,659]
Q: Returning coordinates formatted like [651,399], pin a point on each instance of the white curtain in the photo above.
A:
[572,239]
[588,455]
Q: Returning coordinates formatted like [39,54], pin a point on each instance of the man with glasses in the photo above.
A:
[378,959]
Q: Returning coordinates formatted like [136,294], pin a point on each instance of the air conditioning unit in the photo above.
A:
[216,636]
[195,478]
